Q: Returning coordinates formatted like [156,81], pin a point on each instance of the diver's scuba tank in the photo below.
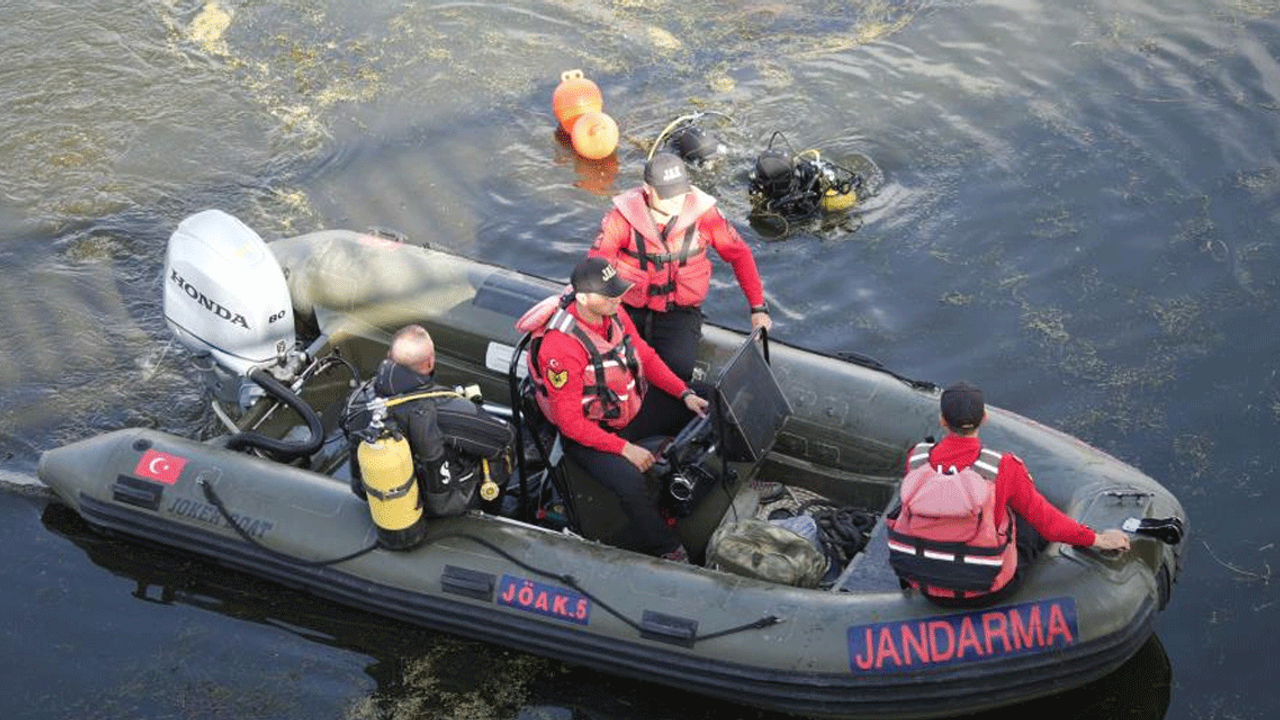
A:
[387,476]
[395,501]
[838,193]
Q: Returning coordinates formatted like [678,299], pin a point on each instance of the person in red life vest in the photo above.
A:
[591,371]
[937,549]
[658,235]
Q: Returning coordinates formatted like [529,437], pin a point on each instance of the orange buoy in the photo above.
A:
[595,135]
[575,96]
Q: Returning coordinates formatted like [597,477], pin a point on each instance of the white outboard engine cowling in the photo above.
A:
[225,294]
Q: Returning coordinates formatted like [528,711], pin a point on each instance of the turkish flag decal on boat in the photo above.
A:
[160,466]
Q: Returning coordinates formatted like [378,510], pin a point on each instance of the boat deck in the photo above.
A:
[869,571]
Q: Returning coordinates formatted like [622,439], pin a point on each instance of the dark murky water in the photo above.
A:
[1079,212]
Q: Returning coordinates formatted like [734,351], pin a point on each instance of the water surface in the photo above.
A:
[1078,212]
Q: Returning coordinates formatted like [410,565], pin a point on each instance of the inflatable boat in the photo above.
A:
[285,330]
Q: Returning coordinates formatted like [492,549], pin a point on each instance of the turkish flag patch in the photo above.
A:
[160,466]
[556,374]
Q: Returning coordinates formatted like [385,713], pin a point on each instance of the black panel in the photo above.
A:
[135,491]
[509,294]
[668,628]
[754,406]
[468,583]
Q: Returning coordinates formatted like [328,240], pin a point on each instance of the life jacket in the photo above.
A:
[944,538]
[613,384]
[667,267]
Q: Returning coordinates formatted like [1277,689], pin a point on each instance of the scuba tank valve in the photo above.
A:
[488,488]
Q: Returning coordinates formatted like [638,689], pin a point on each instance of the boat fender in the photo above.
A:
[386,469]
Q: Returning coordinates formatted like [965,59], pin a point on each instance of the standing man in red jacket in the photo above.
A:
[659,235]
[591,370]
[1010,543]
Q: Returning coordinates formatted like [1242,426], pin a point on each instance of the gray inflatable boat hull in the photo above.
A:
[864,648]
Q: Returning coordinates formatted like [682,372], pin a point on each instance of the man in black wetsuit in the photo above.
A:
[456,445]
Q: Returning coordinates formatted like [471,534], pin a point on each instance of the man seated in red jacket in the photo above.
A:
[591,373]
[1036,520]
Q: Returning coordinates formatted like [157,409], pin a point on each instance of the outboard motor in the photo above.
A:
[226,297]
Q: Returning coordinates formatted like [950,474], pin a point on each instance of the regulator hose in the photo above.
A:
[285,450]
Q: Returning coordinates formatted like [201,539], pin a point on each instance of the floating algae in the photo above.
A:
[208,28]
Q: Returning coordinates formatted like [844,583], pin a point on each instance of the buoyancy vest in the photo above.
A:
[667,267]
[944,539]
[613,383]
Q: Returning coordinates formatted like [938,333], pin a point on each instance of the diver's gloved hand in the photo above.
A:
[1167,530]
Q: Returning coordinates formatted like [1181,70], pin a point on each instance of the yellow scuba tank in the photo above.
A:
[833,200]
[386,468]
[836,196]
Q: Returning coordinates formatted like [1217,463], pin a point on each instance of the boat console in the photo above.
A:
[747,410]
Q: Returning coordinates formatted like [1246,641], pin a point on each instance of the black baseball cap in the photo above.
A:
[667,175]
[962,406]
[596,275]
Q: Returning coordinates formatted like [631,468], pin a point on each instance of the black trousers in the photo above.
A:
[675,335]
[623,479]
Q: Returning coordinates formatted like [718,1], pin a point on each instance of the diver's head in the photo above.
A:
[413,348]
[695,145]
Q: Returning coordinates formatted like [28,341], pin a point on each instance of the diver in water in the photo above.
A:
[784,186]
[799,186]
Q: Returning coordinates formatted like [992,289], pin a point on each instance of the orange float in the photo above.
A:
[594,135]
[574,97]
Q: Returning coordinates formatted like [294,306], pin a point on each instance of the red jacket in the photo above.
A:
[1015,489]
[560,352]
[659,285]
